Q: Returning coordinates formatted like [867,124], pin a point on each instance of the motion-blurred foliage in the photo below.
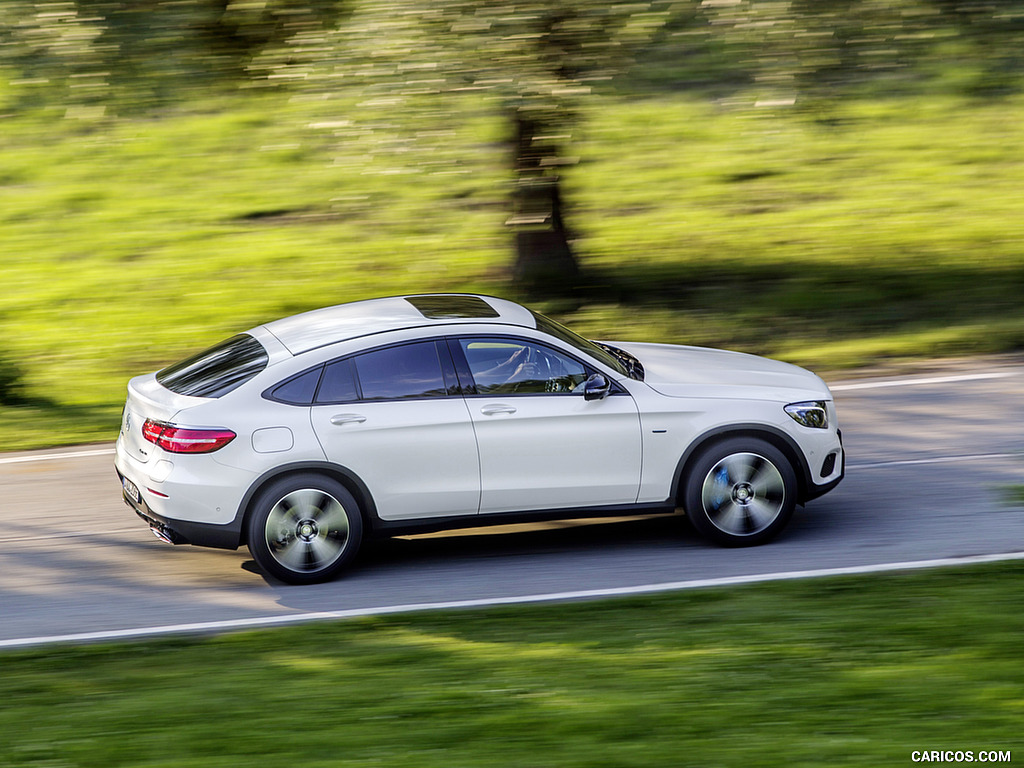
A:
[11,381]
[533,62]
[126,56]
[821,180]
[536,55]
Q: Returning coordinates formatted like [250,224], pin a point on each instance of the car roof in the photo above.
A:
[310,330]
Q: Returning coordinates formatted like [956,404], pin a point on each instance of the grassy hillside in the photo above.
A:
[828,228]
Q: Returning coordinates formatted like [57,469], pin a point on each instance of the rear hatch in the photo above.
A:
[212,373]
[148,400]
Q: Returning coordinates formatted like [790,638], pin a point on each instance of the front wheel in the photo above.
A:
[740,492]
[304,528]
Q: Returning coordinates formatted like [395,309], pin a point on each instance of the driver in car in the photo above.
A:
[517,368]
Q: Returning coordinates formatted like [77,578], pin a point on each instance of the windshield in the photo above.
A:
[562,333]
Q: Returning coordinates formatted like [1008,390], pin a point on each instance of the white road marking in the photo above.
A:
[645,589]
[919,381]
[55,456]
[936,460]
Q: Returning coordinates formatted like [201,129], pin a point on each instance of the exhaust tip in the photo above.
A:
[166,535]
[161,535]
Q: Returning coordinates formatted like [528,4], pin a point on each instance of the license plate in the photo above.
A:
[131,490]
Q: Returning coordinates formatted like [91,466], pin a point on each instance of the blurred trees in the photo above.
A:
[134,54]
[533,62]
[536,62]
[791,48]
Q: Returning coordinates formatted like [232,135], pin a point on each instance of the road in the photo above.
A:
[931,452]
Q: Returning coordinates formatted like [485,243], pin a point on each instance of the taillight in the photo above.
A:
[182,440]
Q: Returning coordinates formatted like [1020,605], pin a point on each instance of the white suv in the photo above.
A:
[422,413]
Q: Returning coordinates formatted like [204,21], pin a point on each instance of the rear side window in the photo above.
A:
[217,370]
[298,390]
[412,370]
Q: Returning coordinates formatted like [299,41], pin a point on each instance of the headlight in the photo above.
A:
[813,414]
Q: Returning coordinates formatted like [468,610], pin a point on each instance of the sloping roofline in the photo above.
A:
[310,330]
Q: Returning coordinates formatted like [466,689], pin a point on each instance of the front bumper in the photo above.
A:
[813,491]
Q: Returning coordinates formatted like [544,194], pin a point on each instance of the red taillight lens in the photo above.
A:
[181,440]
[152,430]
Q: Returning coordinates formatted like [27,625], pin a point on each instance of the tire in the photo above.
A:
[304,528]
[740,492]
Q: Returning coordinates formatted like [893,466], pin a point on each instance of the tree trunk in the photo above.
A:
[544,263]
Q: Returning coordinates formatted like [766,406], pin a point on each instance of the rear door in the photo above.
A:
[395,417]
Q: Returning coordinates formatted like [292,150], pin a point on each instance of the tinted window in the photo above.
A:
[339,383]
[299,390]
[505,366]
[450,307]
[217,370]
[412,370]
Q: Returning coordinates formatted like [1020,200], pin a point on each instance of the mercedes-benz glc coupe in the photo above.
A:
[300,437]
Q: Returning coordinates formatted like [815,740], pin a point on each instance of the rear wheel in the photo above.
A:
[740,492]
[304,528]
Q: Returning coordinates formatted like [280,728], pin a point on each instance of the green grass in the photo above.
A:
[1014,495]
[841,671]
[828,233]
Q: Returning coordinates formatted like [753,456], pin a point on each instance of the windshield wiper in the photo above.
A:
[634,367]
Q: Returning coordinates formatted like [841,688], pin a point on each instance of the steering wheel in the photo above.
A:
[527,367]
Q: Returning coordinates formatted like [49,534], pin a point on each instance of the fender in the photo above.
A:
[344,475]
[772,434]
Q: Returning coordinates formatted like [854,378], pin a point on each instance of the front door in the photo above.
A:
[542,445]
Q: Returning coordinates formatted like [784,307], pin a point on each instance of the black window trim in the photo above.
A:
[355,381]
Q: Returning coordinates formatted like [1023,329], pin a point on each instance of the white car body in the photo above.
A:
[465,455]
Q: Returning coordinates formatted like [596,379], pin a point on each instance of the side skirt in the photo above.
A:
[385,528]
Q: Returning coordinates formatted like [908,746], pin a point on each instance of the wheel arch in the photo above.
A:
[772,435]
[353,484]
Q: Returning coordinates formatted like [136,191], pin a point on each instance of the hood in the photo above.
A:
[679,371]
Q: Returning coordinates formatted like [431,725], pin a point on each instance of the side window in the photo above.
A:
[298,390]
[505,366]
[338,384]
[411,370]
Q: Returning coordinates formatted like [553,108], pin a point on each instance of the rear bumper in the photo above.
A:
[183,531]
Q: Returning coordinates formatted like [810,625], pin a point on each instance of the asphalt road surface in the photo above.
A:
[931,454]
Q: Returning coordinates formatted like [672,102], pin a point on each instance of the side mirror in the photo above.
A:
[596,387]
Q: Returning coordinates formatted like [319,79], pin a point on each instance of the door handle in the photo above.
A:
[347,418]
[496,408]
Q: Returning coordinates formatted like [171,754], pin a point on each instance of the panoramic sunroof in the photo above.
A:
[452,307]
